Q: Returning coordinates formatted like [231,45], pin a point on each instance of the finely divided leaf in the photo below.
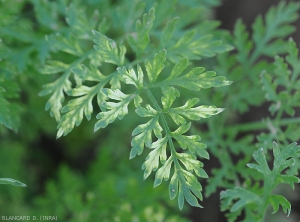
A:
[276,26]
[77,107]
[276,201]
[154,69]
[141,38]
[187,186]
[190,142]
[195,113]
[168,32]
[163,173]
[143,136]
[170,94]
[115,110]
[57,88]
[262,165]
[66,44]
[194,79]
[108,49]
[130,76]
[158,153]
[283,158]
[245,197]
[196,48]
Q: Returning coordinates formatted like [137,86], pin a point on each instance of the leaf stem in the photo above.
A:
[165,127]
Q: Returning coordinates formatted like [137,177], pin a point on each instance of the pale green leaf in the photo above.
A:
[57,88]
[170,94]
[196,48]
[130,77]
[154,69]
[54,67]
[190,142]
[189,161]
[92,74]
[115,110]
[143,136]
[67,44]
[146,112]
[75,108]
[12,182]
[108,49]
[163,173]
[158,153]
[195,113]
[194,79]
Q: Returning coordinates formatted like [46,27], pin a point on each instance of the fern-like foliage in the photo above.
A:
[245,65]
[257,200]
[249,66]
[286,99]
[157,67]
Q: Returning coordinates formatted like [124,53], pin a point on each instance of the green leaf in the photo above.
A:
[194,79]
[130,76]
[245,197]
[262,165]
[108,49]
[141,39]
[53,67]
[164,173]
[10,111]
[188,188]
[170,94]
[143,136]
[57,88]
[276,200]
[191,163]
[289,179]
[195,113]
[9,114]
[115,110]
[154,69]
[158,153]
[168,32]
[67,44]
[277,25]
[190,142]
[283,158]
[284,79]
[92,74]
[80,24]
[196,48]
[12,182]
[242,42]
[77,107]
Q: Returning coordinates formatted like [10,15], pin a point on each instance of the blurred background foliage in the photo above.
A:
[86,176]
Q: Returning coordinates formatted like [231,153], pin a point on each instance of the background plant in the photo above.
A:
[117,59]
